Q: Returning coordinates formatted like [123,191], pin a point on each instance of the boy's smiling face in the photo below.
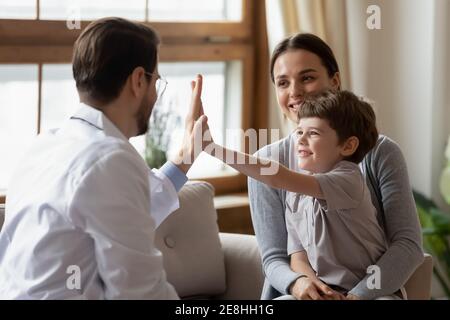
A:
[318,147]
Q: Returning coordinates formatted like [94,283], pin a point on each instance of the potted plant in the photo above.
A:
[158,138]
[436,228]
[445,177]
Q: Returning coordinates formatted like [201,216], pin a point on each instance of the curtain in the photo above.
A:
[324,18]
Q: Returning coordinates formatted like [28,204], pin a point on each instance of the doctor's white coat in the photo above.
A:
[84,200]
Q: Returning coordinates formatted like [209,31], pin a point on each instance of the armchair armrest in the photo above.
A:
[418,286]
[243,268]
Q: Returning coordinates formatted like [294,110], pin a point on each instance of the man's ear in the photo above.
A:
[350,146]
[137,81]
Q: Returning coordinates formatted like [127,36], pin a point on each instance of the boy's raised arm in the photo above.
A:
[267,171]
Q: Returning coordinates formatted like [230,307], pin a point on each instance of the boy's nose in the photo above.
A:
[301,139]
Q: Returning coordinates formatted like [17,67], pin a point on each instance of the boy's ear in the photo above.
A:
[350,146]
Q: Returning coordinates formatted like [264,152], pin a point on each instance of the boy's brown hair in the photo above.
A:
[108,51]
[348,115]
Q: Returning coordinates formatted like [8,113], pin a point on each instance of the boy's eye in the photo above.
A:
[307,78]
[299,133]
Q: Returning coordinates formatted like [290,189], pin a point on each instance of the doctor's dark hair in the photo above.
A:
[308,42]
[107,52]
[348,115]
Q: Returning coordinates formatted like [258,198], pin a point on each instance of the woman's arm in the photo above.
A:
[268,171]
[401,223]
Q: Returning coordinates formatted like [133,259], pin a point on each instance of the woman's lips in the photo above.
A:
[296,105]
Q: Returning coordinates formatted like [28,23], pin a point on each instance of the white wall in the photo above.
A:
[403,68]
[441,93]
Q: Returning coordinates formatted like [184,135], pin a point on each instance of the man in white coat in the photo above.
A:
[82,202]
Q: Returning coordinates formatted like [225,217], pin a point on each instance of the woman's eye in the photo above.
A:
[282,84]
[307,78]
[313,133]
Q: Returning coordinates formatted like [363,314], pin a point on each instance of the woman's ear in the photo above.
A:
[350,146]
[336,81]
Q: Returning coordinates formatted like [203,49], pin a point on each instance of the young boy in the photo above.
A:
[333,232]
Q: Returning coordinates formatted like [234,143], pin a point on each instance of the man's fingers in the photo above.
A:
[196,108]
[201,125]
[197,91]
[201,109]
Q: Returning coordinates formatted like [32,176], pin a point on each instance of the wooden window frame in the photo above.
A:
[45,41]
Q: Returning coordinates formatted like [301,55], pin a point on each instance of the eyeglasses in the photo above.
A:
[161,84]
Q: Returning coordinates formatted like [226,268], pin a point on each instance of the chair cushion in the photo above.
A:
[418,286]
[189,241]
[243,265]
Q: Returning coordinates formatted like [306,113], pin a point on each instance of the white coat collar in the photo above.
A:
[99,120]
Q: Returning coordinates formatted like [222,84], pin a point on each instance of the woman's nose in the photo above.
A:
[296,89]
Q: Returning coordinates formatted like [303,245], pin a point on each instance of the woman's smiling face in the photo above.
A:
[297,73]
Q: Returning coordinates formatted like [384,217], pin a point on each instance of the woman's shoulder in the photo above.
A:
[385,153]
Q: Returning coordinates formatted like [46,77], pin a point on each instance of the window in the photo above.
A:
[91,10]
[60,100]
[18,115]
[197,10]
[140,10]
[218,97]
[59,95]
[216,39]
[13,9]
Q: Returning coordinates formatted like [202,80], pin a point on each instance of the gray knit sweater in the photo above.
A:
[386,175]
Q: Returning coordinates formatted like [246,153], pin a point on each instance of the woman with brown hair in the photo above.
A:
[300,65]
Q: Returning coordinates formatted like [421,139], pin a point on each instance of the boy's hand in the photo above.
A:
[314,289]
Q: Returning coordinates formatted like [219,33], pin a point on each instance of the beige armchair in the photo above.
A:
[203,263]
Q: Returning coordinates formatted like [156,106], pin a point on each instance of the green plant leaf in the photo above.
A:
[447,150]
[423,201]
[441,221]
[433,241]
[445,183]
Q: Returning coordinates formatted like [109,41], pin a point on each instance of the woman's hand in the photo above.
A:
[352,297]
[305,288]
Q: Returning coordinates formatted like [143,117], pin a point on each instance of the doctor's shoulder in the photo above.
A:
[109,149]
